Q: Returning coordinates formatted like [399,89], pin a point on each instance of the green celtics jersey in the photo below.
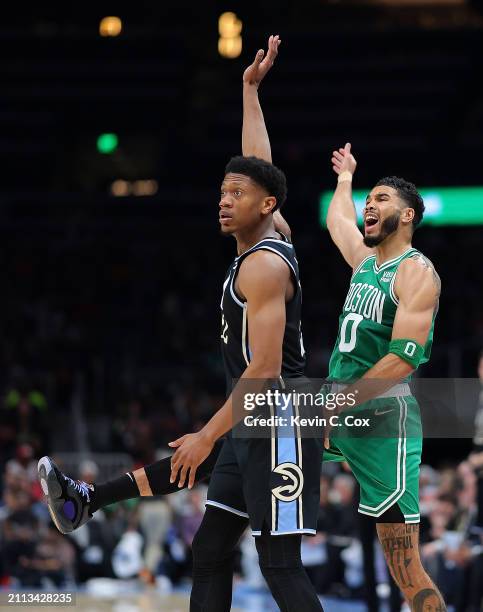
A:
[367,319]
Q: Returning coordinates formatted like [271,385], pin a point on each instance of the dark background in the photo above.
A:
[110,305]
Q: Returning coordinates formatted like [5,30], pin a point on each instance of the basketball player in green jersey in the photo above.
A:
[385,333]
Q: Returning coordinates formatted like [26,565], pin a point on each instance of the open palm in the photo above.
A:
[256,72]
[343,160]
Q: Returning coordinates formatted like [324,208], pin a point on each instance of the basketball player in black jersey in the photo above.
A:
[261,339]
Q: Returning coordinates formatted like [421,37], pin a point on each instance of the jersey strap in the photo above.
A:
[409,253]
[395,261]
[279,247]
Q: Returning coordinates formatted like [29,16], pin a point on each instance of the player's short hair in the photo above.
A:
[263,173]
[406,191]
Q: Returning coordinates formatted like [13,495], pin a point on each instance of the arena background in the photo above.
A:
[112,149]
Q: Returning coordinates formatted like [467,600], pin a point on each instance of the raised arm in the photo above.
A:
[255,140]
[341,217]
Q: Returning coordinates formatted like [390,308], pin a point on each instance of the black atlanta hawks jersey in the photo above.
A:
[272,480]
[235,340]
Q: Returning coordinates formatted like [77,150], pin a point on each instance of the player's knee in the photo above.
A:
[208,550]
[269,567]
[281,566]
[201,547]
[212,546]
[392,515]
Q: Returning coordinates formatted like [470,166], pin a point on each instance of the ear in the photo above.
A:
[268,205]
[407,215]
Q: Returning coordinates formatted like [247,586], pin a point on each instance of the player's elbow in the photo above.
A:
[331,221]
[266,369]
[334,215]
[334,225]
[267,373]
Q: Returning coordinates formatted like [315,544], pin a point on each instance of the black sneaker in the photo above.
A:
[68,500]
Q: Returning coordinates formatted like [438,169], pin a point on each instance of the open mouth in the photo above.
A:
[371,221]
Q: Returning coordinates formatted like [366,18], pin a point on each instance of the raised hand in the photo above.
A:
[256,72]
[343,160]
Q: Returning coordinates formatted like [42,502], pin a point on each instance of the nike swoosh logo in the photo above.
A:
[362,271]
[380,412]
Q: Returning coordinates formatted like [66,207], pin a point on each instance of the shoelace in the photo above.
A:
[80,486]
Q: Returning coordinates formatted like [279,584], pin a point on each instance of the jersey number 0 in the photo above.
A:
[348,332]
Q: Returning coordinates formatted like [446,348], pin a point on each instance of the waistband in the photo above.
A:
[400,390]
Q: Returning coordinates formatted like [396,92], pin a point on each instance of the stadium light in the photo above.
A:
[110,26]
[229,25]
[230,40]
[230,47]
[144,187]
[107,143]
[120,188]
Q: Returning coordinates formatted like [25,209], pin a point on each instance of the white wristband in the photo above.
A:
[345,176]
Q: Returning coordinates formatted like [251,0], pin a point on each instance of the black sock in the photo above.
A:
[116,490]
[158,475]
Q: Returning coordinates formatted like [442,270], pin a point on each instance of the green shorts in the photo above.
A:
[383,456]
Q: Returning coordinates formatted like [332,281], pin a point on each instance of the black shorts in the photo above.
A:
[273,482]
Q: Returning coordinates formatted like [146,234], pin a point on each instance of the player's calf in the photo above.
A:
[400,543]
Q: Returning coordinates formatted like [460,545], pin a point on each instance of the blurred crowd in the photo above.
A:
[150,540]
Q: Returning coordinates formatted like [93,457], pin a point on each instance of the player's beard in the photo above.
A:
[388,226]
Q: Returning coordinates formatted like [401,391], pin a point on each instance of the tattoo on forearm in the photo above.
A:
[428,600]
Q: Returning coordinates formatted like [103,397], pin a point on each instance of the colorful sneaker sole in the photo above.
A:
[52,490]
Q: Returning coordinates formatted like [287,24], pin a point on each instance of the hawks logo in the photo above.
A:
[293,474]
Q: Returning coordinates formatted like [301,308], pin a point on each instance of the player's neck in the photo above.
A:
[391,248]
[245,240]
